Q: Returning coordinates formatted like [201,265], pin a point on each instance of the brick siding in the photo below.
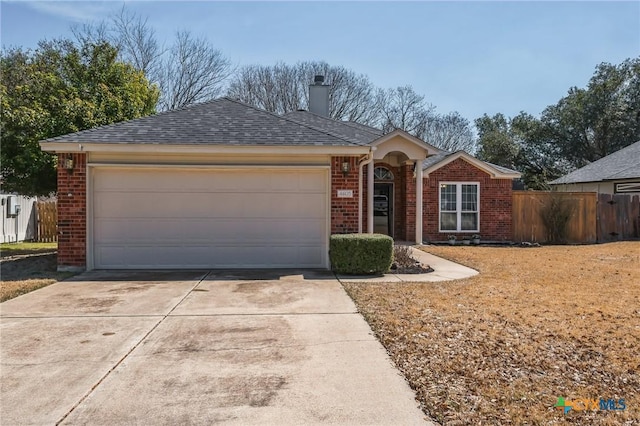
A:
[344,211]
[495,202]
[72,212]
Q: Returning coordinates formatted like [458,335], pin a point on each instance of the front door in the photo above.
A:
[383,208]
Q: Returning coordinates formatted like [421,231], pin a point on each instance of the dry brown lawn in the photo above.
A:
[537,324]
[27,271]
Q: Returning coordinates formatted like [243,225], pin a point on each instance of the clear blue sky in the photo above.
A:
[471,57]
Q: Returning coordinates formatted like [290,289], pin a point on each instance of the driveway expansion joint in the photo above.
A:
[121,360]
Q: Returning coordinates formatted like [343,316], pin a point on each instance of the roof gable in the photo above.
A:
[435,162]
[622,164]
[414,148]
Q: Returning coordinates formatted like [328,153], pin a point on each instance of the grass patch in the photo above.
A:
[14,249]
[535,325]
[25,273]
[11,289]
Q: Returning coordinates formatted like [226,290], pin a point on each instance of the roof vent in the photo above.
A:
[318,79]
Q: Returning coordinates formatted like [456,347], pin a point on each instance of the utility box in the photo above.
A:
[12,206]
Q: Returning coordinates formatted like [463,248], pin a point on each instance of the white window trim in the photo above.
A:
[626,187]
[458,207]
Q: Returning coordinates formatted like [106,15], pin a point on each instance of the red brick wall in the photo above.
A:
[495,202]
[344,211]
[72,212]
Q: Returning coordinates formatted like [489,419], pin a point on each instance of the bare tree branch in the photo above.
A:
[194,71]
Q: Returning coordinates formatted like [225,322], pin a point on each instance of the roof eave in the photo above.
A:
[74,147]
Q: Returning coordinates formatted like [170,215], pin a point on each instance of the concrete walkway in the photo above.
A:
[443,270]
[196,347]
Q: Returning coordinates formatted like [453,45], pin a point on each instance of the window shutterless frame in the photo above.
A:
[459,207]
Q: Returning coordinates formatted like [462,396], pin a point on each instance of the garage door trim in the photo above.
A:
[91,167]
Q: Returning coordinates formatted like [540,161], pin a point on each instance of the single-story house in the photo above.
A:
[222,184]
[617,173]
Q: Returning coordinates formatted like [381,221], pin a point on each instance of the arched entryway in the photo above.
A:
[396,174]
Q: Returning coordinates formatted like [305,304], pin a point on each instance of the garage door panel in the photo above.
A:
[179,256]
[222,231]
[173,218]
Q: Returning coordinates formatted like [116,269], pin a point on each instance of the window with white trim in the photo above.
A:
[381,173]
[459,211]
[621,188]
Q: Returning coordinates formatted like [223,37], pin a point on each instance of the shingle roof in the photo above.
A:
[355,132]
[219,122]
[622,164]
[435,159]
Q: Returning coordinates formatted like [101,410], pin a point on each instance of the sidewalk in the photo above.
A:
[443,270]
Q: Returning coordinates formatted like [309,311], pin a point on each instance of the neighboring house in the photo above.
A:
[224,185]
[18,218]
[617,173]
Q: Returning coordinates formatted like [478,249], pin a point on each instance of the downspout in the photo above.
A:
[368,159]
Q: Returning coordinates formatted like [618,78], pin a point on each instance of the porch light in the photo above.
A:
[68,164]
[346,167]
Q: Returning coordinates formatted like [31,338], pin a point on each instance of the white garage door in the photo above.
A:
[215,218]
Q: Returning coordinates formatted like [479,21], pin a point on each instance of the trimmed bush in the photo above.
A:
[360,254]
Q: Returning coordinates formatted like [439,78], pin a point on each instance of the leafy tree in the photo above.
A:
[520,143]
[600,119]
[496,142]
[57,89]
[584,126]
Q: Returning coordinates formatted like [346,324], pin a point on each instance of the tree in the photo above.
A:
[450,132]
[190,70]
[403,108]
[496,142]
[58,89]
[282,88]
[600,119]
[520,143]
[193,72]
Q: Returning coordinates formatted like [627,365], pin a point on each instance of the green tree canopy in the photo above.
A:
[61,88]
[584,126]
[602,118]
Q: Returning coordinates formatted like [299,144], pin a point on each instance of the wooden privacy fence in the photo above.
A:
[618,217]
[528,224]
[47,221]
[595,218]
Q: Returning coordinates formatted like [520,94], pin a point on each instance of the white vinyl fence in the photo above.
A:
[19,221]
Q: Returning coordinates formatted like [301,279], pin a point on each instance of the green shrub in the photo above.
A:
[360,254]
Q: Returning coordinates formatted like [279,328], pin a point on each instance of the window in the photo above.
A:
[459,207]
[622,188]
[380,173]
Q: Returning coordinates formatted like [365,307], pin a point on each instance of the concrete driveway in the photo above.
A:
[196,347]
